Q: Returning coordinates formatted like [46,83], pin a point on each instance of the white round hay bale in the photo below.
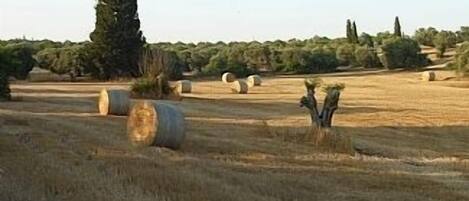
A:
[254,80]
[429,76]
[184,86]
[228,77]
[114,102]
[153,123]
[239,87]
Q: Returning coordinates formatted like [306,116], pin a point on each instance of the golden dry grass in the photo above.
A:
[413,136]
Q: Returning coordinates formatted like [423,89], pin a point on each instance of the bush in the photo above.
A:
[67,60]
[152,88]
[21,59]
[444,40]
[299,60]
[345,55]
[461,61]
[425,36]
[232,59]
[401,53]
[323,61]
[294,60]
[367,57]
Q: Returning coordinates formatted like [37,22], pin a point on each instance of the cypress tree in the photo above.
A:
[397,28]
[354,33]
[349,31]
[117,39]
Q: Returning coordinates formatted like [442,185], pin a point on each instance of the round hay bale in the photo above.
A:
[114,102]
[152,123]
[239,87]
[184,86]
[429,76]
[254,80]
[228,77]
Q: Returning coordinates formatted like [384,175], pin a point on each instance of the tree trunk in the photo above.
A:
[321,120]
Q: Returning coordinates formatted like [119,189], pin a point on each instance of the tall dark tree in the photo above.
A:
[117,39]
[354,33]
[349,31]
[5,63]
[397,28]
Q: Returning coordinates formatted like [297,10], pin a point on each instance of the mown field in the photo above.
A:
[412,137]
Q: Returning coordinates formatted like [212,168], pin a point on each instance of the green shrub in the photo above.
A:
[367,57]
[345,55]
[152,88]
[401,53]
[294,60]
[300,60]
[323,61]
[22,61]
[232,59]
[425,36]
[66,60]
[444,40]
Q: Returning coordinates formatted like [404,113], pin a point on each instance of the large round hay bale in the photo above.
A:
[114,102]
[239,87]
[254,80]
[153,123]
[184,86]
[228,77]
[429,76]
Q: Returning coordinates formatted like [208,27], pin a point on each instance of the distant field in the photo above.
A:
[413,136]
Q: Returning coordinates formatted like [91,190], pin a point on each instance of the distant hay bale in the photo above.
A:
[152,123]
[239,87]
[114,102]
[429,76]
[254,80]
[228,77]
[184,86]
[42,75]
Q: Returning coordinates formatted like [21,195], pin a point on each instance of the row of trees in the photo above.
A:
[441,40]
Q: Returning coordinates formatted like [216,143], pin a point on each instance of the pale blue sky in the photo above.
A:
[228,20]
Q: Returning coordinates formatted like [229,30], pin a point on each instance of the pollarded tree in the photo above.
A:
[321,121]
[117,39]
[397,28]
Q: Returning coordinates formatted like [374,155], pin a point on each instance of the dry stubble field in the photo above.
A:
[413,136]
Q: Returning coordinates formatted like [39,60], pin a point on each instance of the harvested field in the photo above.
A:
[412,137]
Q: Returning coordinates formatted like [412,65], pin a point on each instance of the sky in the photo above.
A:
[231,20]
